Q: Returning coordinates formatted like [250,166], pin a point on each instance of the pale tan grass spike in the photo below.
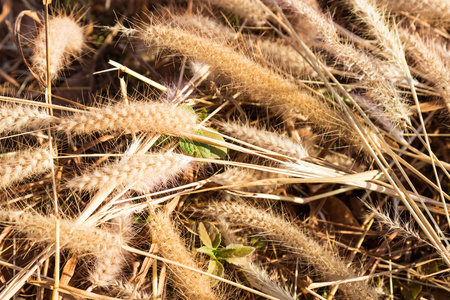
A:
[66,39]
[18,166]
[136,116]
[191,284]
[296,241]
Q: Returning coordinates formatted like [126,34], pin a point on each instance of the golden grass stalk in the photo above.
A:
[191,284]
[205,26]
[40,228]
[143,173]
[274,51]
[24,164]
[23,117]
[261,83]
[293,238]
[134,116]
[66,39]
[382,91]
[265,139]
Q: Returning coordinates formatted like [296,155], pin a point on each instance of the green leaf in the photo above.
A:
[187,146]
[209,234]
[202,114]
[241,261]
[197,149]
[202,150]
[187,107]
[234,251]
[411,290]
[215,268]
[208,251]
[259,243]
[216,151]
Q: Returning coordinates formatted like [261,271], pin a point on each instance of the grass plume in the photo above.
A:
[15,118]
[66,39]
[144,173]
[23,164]
[134,116]
[42,228]
[191,284]
[296,241]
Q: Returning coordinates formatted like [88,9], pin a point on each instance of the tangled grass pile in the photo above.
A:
[225,149]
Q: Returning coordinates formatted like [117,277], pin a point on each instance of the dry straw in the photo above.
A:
[66,39]
[144,173]
[22,117]
[135,116]
[378,25]
[24,164]
[191,284]
[293,238]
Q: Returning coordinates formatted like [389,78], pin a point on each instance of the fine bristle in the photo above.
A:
[265,139]
[261,84]
[382,91]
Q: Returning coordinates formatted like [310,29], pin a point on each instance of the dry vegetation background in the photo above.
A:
[224,149]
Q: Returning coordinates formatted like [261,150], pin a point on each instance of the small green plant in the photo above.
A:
[233,253]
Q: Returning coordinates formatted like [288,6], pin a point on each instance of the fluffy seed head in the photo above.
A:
[242,176]
[430,10]
[381,90]
[135,116]
[22,117]
[265,139]
[246,9]
[261,84]
[24,164]
[66,39]
[191,284]
[295,240]
[145,172]
[41,228]
[109,265]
